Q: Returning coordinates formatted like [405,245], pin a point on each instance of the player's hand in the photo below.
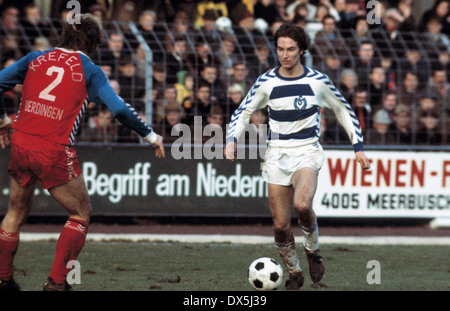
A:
[363,160]
[5,125]
[230,151]
[157,140]
[160,147]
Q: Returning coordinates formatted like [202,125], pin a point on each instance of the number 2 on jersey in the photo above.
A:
[45,94]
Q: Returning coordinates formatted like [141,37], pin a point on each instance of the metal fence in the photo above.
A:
[162,72]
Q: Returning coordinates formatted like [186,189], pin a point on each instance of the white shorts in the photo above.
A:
[281,163]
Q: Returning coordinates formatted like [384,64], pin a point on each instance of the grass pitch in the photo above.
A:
[172,266]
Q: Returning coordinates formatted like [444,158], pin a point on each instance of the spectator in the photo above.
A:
[245,33]
[291,8]
[401,127]
[176,54]
[414,61]
[330,38]
[199,105]
[428,101]
[408,92]
[98,12]
[443,60]
[349,16]
[239,75]
[213,132]
[100,127]
[169,98]
[428,132]
[139,58]
[235,97]
[379,133]
[131,85]
[10,19]
[348,83]
[208,30]
[364,62]
[281,8]
[263,60]
[113,51]
[362,109]
[331,65]
[387,36]
[377,86]
[41,44]
[185,88]
[361,34]
[10,46]
[187,6]
[390,104]
[228,54]
[266,10]
[440,88]
[203,56]
[321,11]
[405,10]
[33,27]
[149,30]
[159,76]
[209,75]
[441,9]
[181,26]
[172,117]
[219,8]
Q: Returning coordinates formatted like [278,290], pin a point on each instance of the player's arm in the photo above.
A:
[254,100]
[100,91]
[332,99]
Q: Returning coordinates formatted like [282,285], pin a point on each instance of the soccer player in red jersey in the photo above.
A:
[57,86]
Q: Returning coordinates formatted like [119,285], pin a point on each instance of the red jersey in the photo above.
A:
[53,95]
[57,86]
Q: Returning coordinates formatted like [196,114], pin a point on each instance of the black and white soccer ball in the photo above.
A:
[265,274]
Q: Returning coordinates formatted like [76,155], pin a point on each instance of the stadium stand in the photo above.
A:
[198,53]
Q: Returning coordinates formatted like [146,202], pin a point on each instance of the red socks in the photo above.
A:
[9,242]
[68,247]
[70,243]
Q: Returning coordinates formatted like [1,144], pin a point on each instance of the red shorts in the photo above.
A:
[36,159]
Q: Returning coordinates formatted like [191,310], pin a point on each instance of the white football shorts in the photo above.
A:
[281,163]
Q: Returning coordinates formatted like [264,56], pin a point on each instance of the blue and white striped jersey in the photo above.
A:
[294,109]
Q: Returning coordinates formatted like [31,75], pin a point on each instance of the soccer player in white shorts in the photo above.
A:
[294,95]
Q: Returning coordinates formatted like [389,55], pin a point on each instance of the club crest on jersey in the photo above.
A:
[300,103]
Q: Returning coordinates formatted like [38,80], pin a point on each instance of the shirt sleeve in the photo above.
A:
[100,91]
[254,100]
[332,99]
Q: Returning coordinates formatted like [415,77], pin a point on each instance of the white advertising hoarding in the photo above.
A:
[399,184]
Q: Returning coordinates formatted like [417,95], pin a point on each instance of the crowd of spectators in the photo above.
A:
[394,71]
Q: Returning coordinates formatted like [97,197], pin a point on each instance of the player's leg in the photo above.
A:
[20,203]
[305,185]
[280,202]
[74,198]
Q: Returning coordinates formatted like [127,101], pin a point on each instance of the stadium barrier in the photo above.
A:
[130,180]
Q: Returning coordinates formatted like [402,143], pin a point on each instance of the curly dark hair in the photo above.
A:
[296,33]
[84,36]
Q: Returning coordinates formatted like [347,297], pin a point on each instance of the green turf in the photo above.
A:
[144,266]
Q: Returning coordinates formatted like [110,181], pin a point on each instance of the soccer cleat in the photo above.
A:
[50,286]
[316,267]
[295,281]
[9,285]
